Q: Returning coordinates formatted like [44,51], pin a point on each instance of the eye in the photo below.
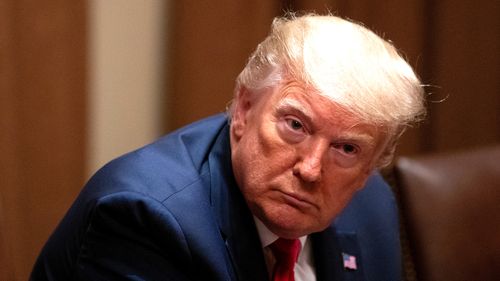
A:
[291,129]
[346,148]
[294,124]
[347,155]
[349,148]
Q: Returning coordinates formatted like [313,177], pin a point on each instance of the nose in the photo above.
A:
[309,167]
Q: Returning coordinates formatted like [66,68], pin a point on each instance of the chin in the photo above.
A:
[290,226]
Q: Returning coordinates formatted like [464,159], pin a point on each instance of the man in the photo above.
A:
[317,109]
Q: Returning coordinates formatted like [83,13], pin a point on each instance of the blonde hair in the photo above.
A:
[344,62]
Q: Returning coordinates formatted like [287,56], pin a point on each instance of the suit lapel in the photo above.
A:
[235,220]
[327,255]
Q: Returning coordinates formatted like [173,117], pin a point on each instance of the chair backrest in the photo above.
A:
[450,206]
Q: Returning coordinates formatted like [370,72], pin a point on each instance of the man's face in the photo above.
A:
[298,158]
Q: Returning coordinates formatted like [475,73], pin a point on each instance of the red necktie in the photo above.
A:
[286,252]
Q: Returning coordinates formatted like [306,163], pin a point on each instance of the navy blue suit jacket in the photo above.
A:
[172,211]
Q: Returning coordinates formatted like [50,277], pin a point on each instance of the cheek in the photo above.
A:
[250,158]
[261,153]
[268,149]
[266,163]
[261,161]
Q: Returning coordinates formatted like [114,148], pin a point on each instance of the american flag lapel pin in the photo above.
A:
[349,261]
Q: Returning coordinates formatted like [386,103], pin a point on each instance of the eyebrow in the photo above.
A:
[365,139]
[294,105]
[349,136]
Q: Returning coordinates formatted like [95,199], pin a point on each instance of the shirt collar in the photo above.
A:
[267,237]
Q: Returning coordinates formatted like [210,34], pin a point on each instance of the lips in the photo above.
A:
[297,201]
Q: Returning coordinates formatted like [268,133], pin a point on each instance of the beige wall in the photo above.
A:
[126,76]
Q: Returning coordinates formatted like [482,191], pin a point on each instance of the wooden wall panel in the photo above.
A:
[211,41]
[8,173]
[466,69]
[42,121]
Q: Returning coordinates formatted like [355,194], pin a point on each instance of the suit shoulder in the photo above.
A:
[375,203]
[164,166]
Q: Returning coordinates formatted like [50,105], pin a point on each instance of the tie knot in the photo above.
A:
[286,250]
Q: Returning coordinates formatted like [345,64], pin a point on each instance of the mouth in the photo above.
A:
[297,201]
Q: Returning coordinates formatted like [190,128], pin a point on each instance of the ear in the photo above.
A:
[242,106]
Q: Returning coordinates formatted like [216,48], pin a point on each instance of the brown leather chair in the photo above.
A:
[450,211]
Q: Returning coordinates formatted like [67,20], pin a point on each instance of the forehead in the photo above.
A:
[311,103]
